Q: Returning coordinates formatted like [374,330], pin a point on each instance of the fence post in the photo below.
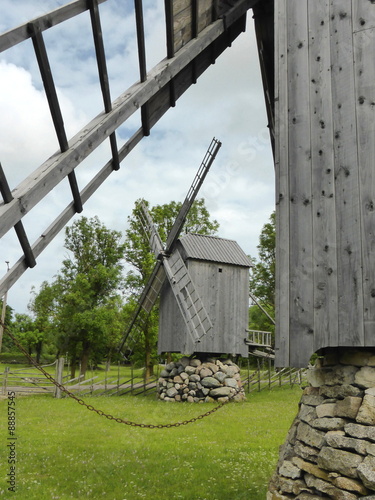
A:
[248,375]
[59,376]
[5,381]
[92,379]
[79,379]
[269,374]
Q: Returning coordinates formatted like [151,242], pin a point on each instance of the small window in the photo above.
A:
[220,269]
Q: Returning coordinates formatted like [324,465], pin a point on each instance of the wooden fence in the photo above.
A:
[26,380]
[260,379]
[31,381]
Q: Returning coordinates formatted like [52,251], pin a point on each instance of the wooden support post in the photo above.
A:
[248,373]
[5,380]
[59,376]
[269,374]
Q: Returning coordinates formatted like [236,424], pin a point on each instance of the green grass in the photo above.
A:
[65,451]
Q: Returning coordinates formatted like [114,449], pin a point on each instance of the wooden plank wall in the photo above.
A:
[325,176]
[225,296]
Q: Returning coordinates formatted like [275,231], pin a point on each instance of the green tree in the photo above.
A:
[27,333]
[262,279]
[6,343]
[42,306]
[88,301]
[139,255]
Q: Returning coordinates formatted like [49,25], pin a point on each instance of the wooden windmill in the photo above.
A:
[172,267]
[317,67]
[185,323]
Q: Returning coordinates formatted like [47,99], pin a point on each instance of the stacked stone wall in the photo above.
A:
[199,381]
[330,449]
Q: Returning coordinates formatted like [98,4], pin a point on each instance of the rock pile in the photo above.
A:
[330,449]
[195,381]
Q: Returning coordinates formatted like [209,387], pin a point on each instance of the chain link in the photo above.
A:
[101,412]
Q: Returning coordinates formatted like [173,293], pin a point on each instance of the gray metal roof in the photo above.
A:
[214,249]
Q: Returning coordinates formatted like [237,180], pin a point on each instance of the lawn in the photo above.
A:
[65,451]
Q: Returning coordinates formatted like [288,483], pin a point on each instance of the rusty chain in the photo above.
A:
[101,412]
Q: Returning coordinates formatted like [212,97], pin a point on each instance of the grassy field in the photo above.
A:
[65,451]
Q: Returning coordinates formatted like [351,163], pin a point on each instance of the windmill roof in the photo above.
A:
[214,249]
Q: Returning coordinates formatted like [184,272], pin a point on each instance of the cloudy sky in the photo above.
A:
[227,103]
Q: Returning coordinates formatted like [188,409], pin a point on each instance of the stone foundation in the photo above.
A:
[330,448]
[200,381]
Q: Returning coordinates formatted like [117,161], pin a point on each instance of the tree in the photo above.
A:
[139,255]
[28,335]
[88,302]
[6,343]
[262,280]
[42,306]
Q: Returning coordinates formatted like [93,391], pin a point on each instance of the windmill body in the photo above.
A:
[219,273]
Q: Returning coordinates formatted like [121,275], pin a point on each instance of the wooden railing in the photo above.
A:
[260,337]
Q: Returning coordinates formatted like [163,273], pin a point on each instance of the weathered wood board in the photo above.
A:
[325,159]
[223,289]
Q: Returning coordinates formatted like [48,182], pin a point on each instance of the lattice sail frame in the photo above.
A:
[196,36]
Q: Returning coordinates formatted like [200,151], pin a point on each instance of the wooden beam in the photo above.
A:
[192,60]
[100,53]
[52,171]
[194,18]
[53,102]
[140,39]
[20,231]
[103,72]
[16,35]
[49,85]
[62,220]
[264,16]
[169,27]
[145,114]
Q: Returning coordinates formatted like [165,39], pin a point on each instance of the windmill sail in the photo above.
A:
[192,193]
[150,229]
[147,300]
[189,302]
